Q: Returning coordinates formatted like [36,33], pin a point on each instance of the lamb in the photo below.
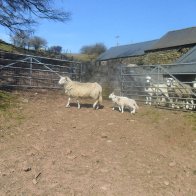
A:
[81,90]
[124,102]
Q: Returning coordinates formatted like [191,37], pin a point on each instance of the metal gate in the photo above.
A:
[33,72]
[172,86]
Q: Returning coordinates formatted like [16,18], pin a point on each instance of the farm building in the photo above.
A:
[168,49]
[126,67]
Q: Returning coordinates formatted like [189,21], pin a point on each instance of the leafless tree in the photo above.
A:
[37,42]
[95,49]
[21,15]
[21,39]
[55,49]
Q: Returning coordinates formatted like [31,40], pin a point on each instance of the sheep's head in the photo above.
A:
[170,82]
[64,80]
[111,96]
[148,79]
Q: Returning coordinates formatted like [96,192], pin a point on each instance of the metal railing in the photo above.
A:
[30,72]
[172,86]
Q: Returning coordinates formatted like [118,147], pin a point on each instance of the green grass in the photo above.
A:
[6,100]
[10,114]
[6,47]
[154,114]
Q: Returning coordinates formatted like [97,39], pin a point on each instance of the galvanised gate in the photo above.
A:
[26,71]
[171,86]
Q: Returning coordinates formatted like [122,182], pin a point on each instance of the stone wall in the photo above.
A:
[152,58]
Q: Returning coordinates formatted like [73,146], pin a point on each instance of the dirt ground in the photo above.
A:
[47,149]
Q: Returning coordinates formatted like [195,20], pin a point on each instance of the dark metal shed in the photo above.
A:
[176,38]
[123,51]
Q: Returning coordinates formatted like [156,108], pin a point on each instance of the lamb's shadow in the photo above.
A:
[125,110]
[85,105]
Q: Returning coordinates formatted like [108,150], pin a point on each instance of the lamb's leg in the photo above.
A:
[113,107]
[133,111]
[122,107]
[78,104]
[119,108]
[67,106]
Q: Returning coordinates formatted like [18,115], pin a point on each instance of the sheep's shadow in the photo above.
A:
[85,105]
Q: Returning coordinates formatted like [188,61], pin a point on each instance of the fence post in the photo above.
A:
[121,78]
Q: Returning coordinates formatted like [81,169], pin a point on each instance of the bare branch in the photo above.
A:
[21,15]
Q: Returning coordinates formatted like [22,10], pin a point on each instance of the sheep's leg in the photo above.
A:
[94,105]
[150,100]
[192,105]
[119,108]
[78,104]
[146,100]
[68,102]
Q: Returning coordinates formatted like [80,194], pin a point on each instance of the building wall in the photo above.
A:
[107,73]
[153,58]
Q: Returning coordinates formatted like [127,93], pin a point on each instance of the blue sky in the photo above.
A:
[101,21]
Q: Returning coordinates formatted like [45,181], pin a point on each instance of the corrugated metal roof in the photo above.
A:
[176,38]
[190,56]
[182,68]
[126,50]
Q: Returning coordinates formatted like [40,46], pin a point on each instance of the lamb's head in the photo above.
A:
[64,80]
[111,96]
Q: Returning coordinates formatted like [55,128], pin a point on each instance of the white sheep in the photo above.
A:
[180,92]
[157,90]
[122,102]
[81,90]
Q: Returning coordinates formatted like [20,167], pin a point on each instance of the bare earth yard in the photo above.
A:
[47,149]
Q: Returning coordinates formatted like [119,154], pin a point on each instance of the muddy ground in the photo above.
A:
[47,149]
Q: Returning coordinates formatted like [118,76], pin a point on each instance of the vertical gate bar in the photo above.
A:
[80,72]
[121,80]
[158,78]
[30,77]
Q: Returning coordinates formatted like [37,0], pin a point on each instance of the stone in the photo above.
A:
[172,164]
[166,182]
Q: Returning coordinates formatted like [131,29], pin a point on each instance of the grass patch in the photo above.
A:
[6,100]
[6,47]
[153,114]
[192,119]
[10,112]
